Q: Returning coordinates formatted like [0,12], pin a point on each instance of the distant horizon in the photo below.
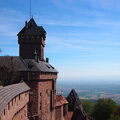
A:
[88,81]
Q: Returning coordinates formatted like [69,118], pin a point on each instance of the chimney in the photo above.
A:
[47,60]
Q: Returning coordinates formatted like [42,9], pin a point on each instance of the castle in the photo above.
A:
[30,81]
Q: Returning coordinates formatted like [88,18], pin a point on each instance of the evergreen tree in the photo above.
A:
[103,109]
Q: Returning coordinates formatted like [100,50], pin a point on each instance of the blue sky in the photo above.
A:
[83,36]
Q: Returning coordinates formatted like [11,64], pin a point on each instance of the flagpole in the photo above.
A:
[30,8]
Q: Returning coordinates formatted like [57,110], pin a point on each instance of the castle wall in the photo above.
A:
[65,109]
[21,115]
[33,103]
[46,100]
[42,96]
[17,108]
[59,113]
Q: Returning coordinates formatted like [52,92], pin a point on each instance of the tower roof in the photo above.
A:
[78,114]
[74,101]
[31,28]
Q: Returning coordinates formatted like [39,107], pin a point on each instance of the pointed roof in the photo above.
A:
[78,114]
[74,101]
[75,106]
[32,22]
[31,28]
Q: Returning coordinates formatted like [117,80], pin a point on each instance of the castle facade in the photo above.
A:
[38,75]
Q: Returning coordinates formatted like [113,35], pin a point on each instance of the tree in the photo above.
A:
[103,109]
[88,107]
[117,111]
[113,117]
[8,72]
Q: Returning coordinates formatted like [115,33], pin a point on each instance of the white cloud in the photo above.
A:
[9,20]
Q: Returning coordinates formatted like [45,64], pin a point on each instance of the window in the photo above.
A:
[40,94]
[51,100]
[53,85]
[4,111]
[40,106]
[12,101]
[19,97]
[8,106]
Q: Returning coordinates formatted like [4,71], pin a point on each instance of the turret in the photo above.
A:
[31,38]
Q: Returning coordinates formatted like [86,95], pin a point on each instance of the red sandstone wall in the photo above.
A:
[21,115]
[33,103]
[40,95]
[16,108]
[59,113]
[44,105]
[47,76]
[65,109]
[40,101]
[27,50]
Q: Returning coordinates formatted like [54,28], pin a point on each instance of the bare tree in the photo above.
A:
[8,73]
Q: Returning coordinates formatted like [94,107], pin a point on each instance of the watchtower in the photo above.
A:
[31,39]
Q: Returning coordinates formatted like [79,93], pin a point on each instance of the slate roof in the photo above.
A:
[75,106]
[78,114]
[74,101]
[31,28]
[40,66]
[9,92]
[32,65]
[13,62]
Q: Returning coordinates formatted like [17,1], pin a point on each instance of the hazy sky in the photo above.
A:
[83,36]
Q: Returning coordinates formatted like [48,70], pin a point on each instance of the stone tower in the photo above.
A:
[31,40]
[39,75]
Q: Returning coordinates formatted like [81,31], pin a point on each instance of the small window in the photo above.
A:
[12,101]
[19,97]
[40,94]
[4,111]
[8,106]
[40,106]
[53,85]
[51,100]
